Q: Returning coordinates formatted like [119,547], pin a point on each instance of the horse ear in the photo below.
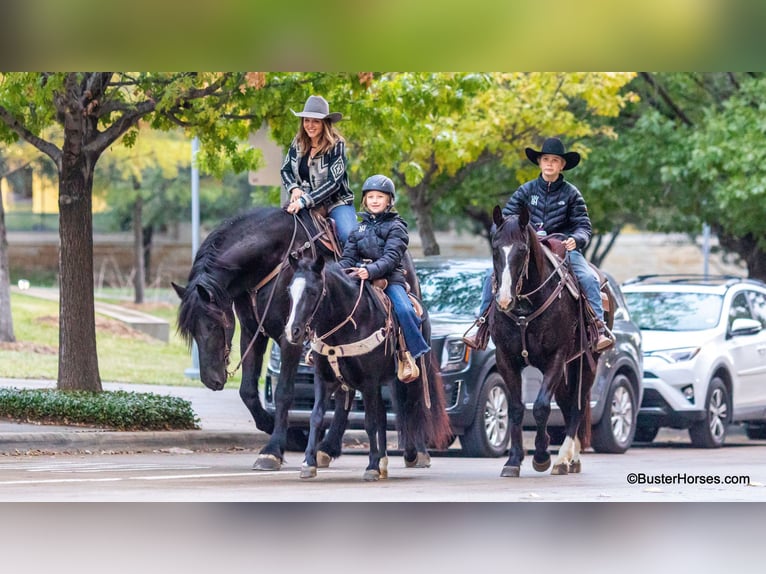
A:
[180,291]
[524,217]
[204,294]
[497,216]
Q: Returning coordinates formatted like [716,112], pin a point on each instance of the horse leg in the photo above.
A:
[332,444]
[309,467]
[248,388]
[512,377]
[541,410]
[272,455]
[576,413]
[372,406]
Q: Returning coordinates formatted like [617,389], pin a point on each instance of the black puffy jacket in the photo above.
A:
[554,207]
[383,239]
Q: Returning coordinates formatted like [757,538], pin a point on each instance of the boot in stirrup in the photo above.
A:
[408,369]
[479,338]
[605,337]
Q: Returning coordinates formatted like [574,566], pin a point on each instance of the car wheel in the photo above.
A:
[614,432]
[711,431]
[755,431]
[488,435]
[646,433]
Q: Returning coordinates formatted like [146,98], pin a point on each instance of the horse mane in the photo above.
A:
[535,249]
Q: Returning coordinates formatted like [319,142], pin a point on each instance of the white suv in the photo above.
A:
[704,355]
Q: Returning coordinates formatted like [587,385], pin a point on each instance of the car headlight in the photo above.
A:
[455,355]
[675,355]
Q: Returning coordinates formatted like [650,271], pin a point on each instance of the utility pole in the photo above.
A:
[193,371]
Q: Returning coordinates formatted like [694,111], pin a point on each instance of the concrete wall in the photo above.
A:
[633,254]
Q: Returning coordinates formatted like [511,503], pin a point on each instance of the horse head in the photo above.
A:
[514,243]
[206,316]
[305,291]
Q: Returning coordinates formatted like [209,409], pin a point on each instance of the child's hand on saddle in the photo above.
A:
[570,244]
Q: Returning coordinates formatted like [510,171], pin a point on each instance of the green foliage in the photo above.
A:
[120,410]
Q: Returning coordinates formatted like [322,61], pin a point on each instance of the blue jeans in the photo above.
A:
[344,217]
[408,320]
[588,281]
[585,277]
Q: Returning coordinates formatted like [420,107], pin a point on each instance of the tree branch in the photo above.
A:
[119,127]
[44,146]
[666,98]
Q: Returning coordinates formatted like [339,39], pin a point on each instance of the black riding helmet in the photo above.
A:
[380,183]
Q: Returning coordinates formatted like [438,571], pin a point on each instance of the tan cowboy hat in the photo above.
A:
[317,107]
[553,146]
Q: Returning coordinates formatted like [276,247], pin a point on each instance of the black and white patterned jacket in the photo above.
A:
[328,177]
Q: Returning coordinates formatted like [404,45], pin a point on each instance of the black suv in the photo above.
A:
[477,398]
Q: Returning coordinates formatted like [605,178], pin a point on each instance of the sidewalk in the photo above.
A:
[224,423]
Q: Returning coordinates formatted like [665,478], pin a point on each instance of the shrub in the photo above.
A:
[119,410]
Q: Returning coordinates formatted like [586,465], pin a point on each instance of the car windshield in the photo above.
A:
[673,311]
[451,290]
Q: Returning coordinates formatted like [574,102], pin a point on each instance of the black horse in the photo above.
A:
[537,322]
[353,339]
[242,267]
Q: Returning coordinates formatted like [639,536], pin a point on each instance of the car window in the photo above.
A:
[739,308]
[674,311]
[449,290]
[757,302]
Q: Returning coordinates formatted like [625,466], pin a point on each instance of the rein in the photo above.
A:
[522,321]
[273,275]
[353,349]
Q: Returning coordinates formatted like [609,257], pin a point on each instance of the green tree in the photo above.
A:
[433,131]
[687,153]
[98,109]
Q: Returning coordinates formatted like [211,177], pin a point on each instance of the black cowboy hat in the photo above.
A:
[317,107]
[553,146]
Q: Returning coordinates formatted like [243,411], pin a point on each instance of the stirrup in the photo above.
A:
[407,370]
[479,340]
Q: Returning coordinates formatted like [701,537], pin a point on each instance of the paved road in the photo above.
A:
[181,475]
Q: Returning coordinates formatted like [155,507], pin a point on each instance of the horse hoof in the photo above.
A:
[267,462]
[371,475]
[575,467]
[323,459]
[561,468]
[511,471]
[422,460]
[308,471]
[541,466]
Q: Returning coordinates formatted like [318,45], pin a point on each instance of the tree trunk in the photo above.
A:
[78,357]
[6,319]
[423,218]
[747,249]
[139,279]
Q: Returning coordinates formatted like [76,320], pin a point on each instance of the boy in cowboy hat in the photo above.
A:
[314,170]
[555,206]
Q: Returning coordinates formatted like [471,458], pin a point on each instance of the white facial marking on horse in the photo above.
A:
[505,288]
[297,287]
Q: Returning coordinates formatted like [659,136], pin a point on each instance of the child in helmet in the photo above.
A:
[375,249]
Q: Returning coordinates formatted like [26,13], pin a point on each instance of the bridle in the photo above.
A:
[522,321]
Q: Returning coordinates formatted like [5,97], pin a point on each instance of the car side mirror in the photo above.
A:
[745,327]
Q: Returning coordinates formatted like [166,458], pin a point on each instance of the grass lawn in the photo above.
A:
[124,355]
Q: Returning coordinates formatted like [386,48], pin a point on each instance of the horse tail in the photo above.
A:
[424,419]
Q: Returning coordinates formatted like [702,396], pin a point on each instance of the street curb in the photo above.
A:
[97,440]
